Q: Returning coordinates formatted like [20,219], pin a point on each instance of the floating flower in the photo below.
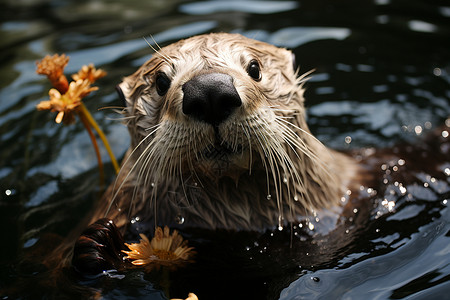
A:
[67,104]
[165,249]
[89,73]
[191,296]
[53,67]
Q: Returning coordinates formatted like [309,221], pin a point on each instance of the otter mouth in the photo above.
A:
[221,158]
[221,151]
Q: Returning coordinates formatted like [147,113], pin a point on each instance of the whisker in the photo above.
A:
[167,58]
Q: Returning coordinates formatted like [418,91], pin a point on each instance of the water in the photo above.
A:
[382,78]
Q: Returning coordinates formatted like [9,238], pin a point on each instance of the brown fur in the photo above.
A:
[175,167]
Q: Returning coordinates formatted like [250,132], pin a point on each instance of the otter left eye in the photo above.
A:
[162,83]
[254,71]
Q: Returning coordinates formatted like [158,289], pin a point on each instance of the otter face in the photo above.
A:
[214,105]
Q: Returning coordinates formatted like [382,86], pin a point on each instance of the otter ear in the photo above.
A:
[121,95]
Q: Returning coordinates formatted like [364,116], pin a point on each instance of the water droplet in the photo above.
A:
[418,130]
[315,279]
[447,171]
[402,190]
[445,134]
[311,226]
[437,72]
[179,219]
[269,197]
[295,198]
[285,180]
[280,223]
[348,139]
[152,184]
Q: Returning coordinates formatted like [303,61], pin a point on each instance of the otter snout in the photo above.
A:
[210,98]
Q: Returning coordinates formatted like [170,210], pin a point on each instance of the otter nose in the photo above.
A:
[210,98]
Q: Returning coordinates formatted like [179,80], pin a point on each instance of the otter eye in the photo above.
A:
[162,83]
[254,70]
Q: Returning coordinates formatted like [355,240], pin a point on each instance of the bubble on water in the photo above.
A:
[445,134]
[348,139]
[437,72]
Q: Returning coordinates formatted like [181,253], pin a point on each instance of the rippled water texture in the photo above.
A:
[382,78]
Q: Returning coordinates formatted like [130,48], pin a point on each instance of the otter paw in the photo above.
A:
[98,248]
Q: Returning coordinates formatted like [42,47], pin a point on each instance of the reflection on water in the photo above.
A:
[382,77]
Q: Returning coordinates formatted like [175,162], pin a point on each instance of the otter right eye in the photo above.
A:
[254,70]
[162,83]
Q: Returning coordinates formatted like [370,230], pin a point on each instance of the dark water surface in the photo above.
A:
[382,78]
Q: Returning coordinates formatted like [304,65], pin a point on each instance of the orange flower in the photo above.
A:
[165,249]
[191,296]
[53,67]
[68,103]
[90,73]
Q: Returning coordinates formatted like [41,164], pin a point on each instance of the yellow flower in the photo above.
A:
[53,67]
[191,296]
[165,249]
[67,104]
[90,73]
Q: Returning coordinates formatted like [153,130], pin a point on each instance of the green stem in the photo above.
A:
[83,111]
[94,143]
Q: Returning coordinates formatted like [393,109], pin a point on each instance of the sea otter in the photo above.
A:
[219,140]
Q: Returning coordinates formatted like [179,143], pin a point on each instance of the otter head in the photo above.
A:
[210,103]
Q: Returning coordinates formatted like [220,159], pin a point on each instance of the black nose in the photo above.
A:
[210,98]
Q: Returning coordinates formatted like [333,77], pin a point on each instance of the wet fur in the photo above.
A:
[259,169]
